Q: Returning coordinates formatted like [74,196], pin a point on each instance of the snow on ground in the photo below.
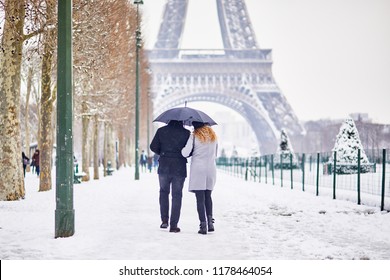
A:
[117,218]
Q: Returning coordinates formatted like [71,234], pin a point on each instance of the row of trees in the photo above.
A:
[104,83]
[320,135]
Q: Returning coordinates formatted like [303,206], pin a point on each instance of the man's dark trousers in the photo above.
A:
[177,183]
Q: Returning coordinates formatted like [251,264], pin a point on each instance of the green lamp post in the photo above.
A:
[137,47]
[64,213]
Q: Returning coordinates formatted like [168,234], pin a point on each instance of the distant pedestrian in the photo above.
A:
[155,160]
[35,159]
[150,164]
[32,165]
[26,161]
[143,159]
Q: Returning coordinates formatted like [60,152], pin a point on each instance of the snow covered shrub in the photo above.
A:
[346,147]
[282,158]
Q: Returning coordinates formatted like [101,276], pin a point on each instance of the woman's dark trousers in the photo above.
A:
[204,204]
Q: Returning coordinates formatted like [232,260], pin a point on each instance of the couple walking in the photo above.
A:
[173,143]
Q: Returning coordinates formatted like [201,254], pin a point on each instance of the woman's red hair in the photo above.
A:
[205,134]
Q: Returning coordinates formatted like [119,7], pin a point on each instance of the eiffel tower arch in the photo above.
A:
[238,76]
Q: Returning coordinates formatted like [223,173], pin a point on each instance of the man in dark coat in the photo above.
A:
[35,159]
[172,170]
[26,161]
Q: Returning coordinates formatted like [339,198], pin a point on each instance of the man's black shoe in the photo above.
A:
[175,229]
[164,225]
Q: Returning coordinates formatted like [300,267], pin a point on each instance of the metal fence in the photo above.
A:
[320,174]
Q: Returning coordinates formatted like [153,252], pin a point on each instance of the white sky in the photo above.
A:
[331,57]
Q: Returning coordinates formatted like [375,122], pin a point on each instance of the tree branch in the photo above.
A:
[32,34]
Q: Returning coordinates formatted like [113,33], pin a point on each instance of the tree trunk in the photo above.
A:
[131,151]
[47,100]
[111,147]
[84,148]
[90,147]
[11,168]
[128,151]
[26,117]
[37,96]
[105,148]
[122,145]
[95,149]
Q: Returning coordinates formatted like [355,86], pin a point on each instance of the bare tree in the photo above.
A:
[145,105]
[48,98]
[26,112]
[104,68]
[23,21]
[11,182]
[104,48]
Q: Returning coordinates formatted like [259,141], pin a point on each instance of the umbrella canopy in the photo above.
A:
[185,114]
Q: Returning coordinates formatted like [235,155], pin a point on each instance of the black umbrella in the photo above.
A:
[185,114]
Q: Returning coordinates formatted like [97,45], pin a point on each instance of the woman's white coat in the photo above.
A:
[203,171]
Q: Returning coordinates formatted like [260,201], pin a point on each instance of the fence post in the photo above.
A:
[291,170]
[272,169]
[265,169]
[281,170]
[240,168]
[358,178]
[383,180]
[318,173]
[260,169]
[255,170]
[246,170]
[242,173]
[334,174]
[242,165]
[303,172]
[227,166]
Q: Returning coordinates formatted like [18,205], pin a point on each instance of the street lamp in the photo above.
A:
[137,47]
[147,122]
[64,213]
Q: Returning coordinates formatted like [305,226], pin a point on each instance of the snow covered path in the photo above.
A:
[117,218]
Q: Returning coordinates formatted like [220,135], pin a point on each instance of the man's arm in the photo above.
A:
[155,144]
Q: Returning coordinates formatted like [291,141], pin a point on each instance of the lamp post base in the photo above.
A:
[64,223]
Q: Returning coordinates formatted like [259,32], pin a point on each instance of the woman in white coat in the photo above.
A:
[202,146]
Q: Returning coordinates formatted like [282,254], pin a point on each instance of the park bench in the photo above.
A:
[77,175]
[109,169]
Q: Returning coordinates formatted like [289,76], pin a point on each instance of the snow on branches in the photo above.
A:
[346,147]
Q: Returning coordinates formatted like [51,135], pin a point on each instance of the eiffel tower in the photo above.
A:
[238,76]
